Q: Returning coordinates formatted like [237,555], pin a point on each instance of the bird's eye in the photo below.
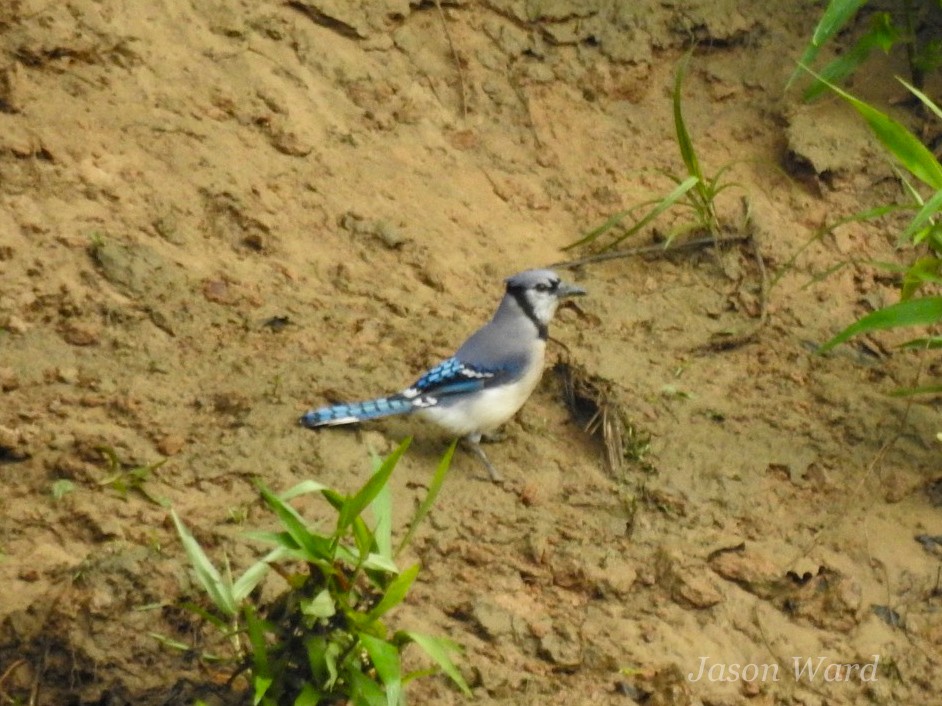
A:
[542,287]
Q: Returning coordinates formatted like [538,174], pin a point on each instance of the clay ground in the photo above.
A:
[178,177]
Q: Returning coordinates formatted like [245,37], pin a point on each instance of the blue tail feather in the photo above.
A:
[356,411]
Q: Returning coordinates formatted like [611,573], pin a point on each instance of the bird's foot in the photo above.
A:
[473,444]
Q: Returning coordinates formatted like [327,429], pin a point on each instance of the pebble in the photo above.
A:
[9,380]
[171,444]
[80,333]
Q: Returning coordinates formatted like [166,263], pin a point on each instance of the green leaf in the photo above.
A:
[926,215]
[601,230]
[335,499]
[395,592]
[355,505]
[882,34]
[171,642]
[303,488]
[924,311]
[364,691]
[385,658]
[923,97]
[681,190]
[837,14]
[314,547]
[921,390]
[247,582]
[687,152]
[363,538]
[320,606]
[380,563]
[260,685]
[924,270]
[927,343]
[208,576]
[438,648]
[382,516]
[61,488]
[331,653]
[438,480]
[316,648]
[672,198]
[309,696]
[262,678]
[905,146]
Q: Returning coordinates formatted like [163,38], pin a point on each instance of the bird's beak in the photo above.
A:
[566,290]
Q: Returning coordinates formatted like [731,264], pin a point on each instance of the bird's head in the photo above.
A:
[539,292]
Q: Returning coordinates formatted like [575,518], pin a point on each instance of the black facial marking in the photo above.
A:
[520,296]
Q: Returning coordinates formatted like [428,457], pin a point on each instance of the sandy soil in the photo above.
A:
[175,174]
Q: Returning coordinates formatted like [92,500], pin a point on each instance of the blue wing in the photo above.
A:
[453,377]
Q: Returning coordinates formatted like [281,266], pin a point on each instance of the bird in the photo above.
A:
[486,381]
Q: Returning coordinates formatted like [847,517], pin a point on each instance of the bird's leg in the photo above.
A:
[494,437]
[473,443]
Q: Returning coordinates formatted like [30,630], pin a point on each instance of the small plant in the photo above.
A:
[324,639]
[61,487]
[696,191]
[923,232]
[124,478]
[899,25]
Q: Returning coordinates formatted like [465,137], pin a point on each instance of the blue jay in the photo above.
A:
[487,380]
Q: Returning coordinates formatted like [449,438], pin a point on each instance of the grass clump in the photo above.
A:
[695,190]
[325,639]
[919,305]
[910,24]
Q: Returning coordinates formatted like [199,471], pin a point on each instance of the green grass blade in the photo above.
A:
[363,538]
[364,691]
[930,209]
[925,270]
[303,488]
[379,562]
[320,606]
[921,390]
[261,667]
[385,659]
[672,198]
[308,696]
[382,517]
[222,625]
[316,549]
[667,202]
[924,344]
[862,216]
[593,234]
[924,311]
[926,101]
[395,592]
[687,152]
[882,34]
[438,649]
[335,499]
[357,504]
[438,479]
[905,146]
[837,14]
[206,573]
[247,582]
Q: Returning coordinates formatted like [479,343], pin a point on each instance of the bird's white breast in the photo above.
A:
[486,410]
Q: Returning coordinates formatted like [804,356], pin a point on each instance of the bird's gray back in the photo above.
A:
[508,341]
